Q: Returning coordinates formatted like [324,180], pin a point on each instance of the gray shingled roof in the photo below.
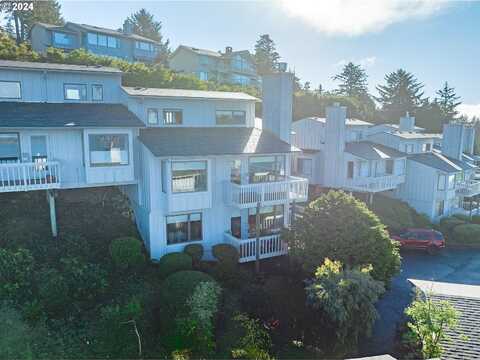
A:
[441,162]
[211,141]
[183,93]
[41,115]
[372,151]
[10,64]
[201,51]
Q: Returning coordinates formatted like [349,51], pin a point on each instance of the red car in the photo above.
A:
[425,239]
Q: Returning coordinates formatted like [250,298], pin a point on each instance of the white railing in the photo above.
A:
[29,176]
[374,184]
[270,246]
[469,188]
[268,193]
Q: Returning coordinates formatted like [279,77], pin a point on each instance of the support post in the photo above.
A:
[370,199]
[471,205]
[53,215]
[257,239]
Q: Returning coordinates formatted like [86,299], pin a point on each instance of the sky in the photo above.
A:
[436,40]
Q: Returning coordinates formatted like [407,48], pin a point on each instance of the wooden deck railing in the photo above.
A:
[468,188]
[374,184]
[29,176]
[270,246]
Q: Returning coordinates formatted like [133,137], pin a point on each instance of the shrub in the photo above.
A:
[464,218]
[255,342]
[466,234]
[340,227]
[16,272]
[195,251]
[475,219]
[53,292]
[447,225]
[174,262]
[15,335]
[347,300]
[127,252]
[174,292]
[226,253]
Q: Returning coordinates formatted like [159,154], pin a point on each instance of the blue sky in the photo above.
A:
[436,40]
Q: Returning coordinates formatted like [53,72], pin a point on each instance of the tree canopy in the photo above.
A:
[448,102]
[353,81]
[340,227]
[266,55]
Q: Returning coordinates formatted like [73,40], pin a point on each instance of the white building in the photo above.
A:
[192,162]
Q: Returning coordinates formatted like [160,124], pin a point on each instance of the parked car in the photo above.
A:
[425,239]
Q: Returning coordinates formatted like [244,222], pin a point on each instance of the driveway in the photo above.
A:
[451,265]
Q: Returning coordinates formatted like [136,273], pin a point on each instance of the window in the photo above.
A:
[203,75]
[9,148]
[97,92]
[92,39]
[389,167]
[108,149]
[305,166]
[75,91]
[459,178]
[229,117]
[236,226]
[184,228]
[38,145]
[240,79]
[152,116]
[145,46]
[112,42]
[428,147]
[189,176]
[441,182]
[350,166]
[172,117]
[164,176]
[271,220]
[266,168]
[451,182]
[439,207]
[61,38]
[10,90]
[102,40]
[408,148]
[236,172]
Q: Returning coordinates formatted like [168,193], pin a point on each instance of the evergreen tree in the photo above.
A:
[448,102]
[353,81]
[266,55]
[306,86]
[319,89]
[46,11]
[144,24]
[401,93]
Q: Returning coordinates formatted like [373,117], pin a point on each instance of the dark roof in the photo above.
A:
[110,32]
[11,64]
[211,141]
[41,115]
[372,151]
[441,162]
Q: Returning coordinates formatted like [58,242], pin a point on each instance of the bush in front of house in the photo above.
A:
[226,253]
[53,292]
[174,262]
[475,219]
[127,253]
[339,226]
[466,234]
[16,274]
[195,251]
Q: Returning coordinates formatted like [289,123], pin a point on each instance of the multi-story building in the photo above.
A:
[99,41]
[399,160]
[232,67]
[193,164]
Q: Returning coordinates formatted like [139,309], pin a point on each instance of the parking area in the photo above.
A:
[450,265]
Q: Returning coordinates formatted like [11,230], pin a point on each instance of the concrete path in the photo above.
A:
[451,265]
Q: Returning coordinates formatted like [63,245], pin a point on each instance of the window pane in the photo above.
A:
[271,220]
[102,40]
[228,117]
[92,39]
[235,173]
[108,149]
[97,92]
[266,168]
[112,42]
[61,38]
[152,116]
[39,146]
[9,148]
[10,90]
[75,92]
[195,227]
[441,182]
[305,166]
[177,229]
[172,117]
[189,176]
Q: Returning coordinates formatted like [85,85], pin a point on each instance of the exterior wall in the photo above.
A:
[40,38]
[399,143]
[196,113]
[308,134]
[48,86]
[185,61]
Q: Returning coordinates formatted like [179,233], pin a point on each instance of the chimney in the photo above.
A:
[228,50]
[469,140]
[335,129]
[277,104]
[453,142]
[127,27]
[407,123]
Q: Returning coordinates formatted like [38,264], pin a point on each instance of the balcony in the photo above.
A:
[29,176]
[268,193]
[374,184]
[270,246]
[468,188]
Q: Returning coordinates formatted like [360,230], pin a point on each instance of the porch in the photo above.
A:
[374,184]
[269,246]
[41,175]
[266,193]
[468,188]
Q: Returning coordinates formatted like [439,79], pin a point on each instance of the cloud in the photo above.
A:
[357,17]
[469,110]
[365,62]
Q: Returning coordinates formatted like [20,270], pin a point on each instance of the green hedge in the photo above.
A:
[448,224]
[226,253]
[174,262]
[127,252]
[466,234]
[195,251]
